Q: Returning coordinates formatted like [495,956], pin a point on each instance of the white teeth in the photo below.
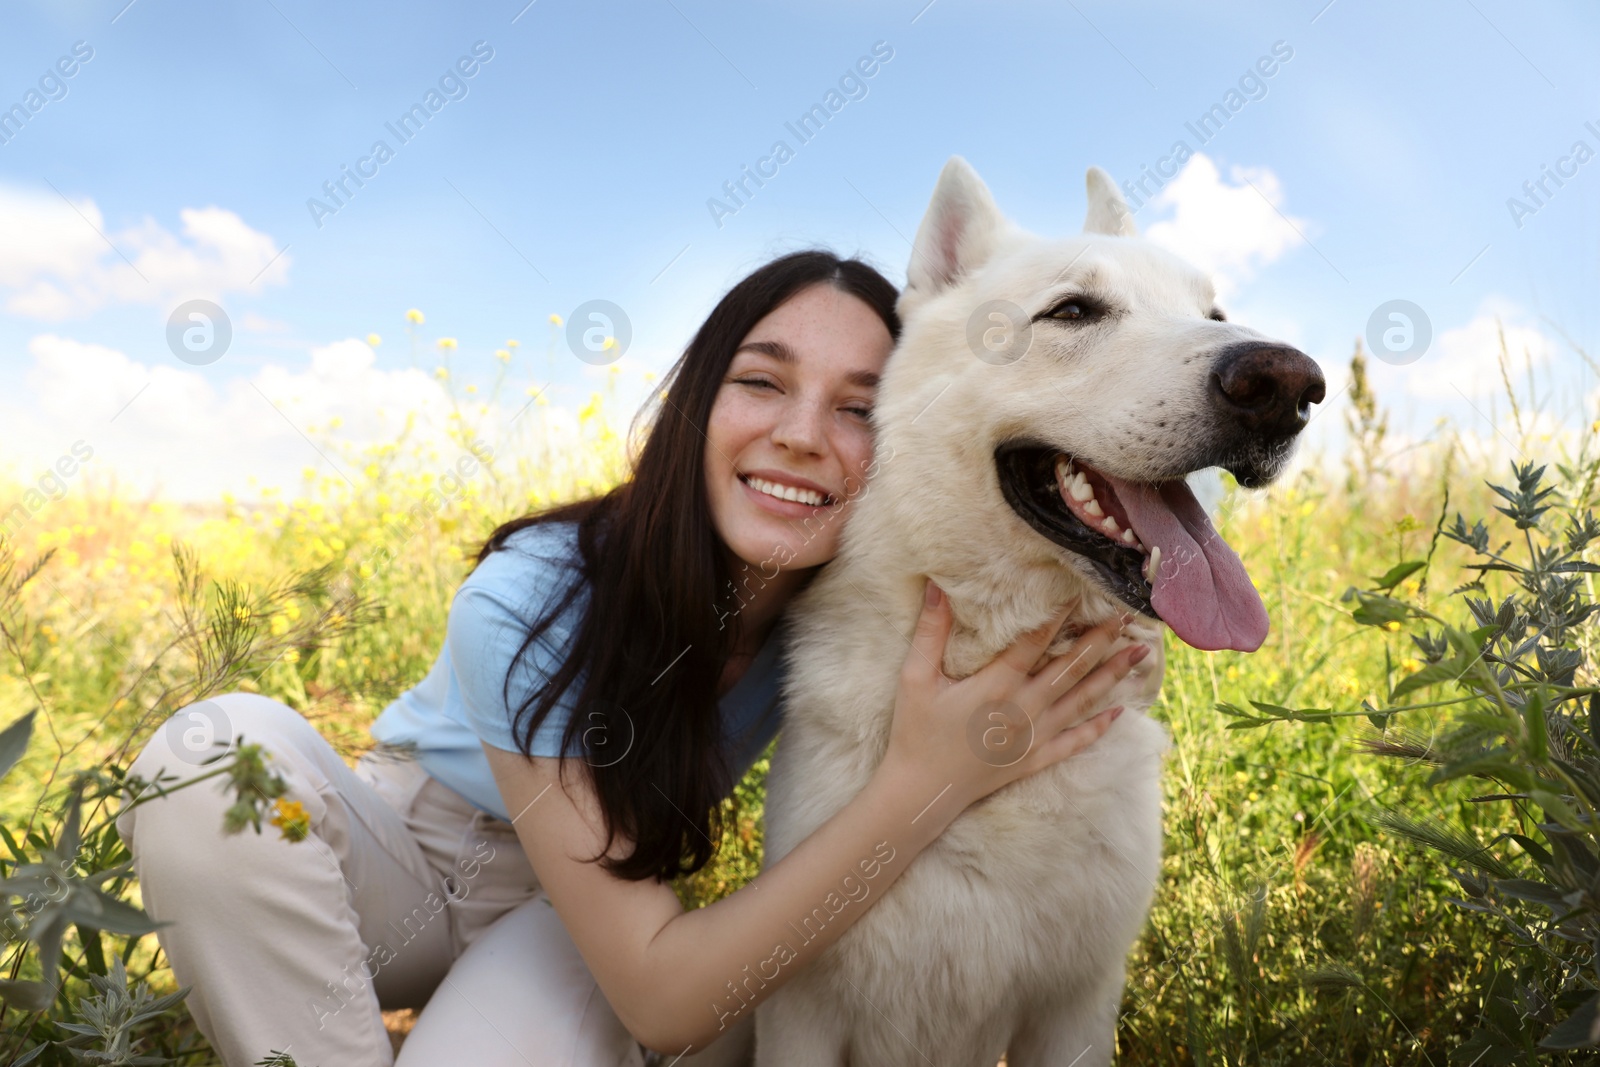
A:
[1154,564]
[1127,536]
[1093,508]
[1110,526]
[786,492]
[1081,489]
[1063,470]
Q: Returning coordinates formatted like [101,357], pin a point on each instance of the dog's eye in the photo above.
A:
[1217,315]
[1074,309]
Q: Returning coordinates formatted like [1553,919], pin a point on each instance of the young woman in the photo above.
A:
[513,875]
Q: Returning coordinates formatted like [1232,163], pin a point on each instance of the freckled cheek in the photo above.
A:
[732,426]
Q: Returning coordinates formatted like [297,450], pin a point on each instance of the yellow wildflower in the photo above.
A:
[292,819]
[513,343]
[414,316]
[373,340]
[503,355]
[555,320]
[447,343]
[440,373]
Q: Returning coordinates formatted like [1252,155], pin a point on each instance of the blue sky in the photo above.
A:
[578,162]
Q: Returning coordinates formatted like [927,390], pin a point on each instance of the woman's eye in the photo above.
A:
[865,413]
[755,381]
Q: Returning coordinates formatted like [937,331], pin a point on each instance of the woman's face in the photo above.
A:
[792,419]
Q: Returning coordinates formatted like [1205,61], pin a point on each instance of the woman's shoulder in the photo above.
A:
[542,546]
[532,565]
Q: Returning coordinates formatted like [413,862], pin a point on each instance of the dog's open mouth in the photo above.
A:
[1151,543]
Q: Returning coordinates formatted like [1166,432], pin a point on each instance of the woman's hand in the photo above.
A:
[1008,720]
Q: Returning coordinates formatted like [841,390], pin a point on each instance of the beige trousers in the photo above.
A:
[403,896]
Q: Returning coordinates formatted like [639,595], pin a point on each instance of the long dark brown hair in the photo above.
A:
[653,643]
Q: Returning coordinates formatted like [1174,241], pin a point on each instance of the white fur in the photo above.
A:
[1009,933]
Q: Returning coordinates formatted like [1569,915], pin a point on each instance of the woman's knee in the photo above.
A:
[194,741]
[194,737]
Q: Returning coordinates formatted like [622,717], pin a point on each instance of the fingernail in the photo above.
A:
[1139,653]
[1114,712]
[932,593]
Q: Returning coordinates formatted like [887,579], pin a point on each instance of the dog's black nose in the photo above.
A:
[1265,388]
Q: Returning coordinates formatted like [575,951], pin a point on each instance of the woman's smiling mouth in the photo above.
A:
[784,495]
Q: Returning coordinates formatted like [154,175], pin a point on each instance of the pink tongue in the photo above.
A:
[1201,589]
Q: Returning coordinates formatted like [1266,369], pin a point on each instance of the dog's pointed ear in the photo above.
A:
[1108,211]
[957,235]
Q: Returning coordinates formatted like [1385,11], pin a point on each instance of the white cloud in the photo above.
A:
[1229,230]
[1465,360]
[186,435]
[56,263]
[169,429]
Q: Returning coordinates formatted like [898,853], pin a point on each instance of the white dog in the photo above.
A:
[1034,429]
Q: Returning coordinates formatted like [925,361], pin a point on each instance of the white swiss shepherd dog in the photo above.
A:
[1010,473]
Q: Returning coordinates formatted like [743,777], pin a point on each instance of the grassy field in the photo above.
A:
[1288,928]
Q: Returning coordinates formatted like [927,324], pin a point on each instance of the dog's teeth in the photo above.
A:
[1081,489]
[1093,507]
[1128,537]
[1154,563]
[1110,526]
[1063,470]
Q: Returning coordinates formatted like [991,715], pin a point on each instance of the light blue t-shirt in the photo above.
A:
[462,700]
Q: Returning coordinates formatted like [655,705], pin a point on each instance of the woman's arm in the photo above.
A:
[678,979]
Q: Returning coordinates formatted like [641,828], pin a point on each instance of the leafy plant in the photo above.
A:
[1508,707]
[75,878]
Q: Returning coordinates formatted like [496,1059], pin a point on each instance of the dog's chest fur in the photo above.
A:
[1062,863]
